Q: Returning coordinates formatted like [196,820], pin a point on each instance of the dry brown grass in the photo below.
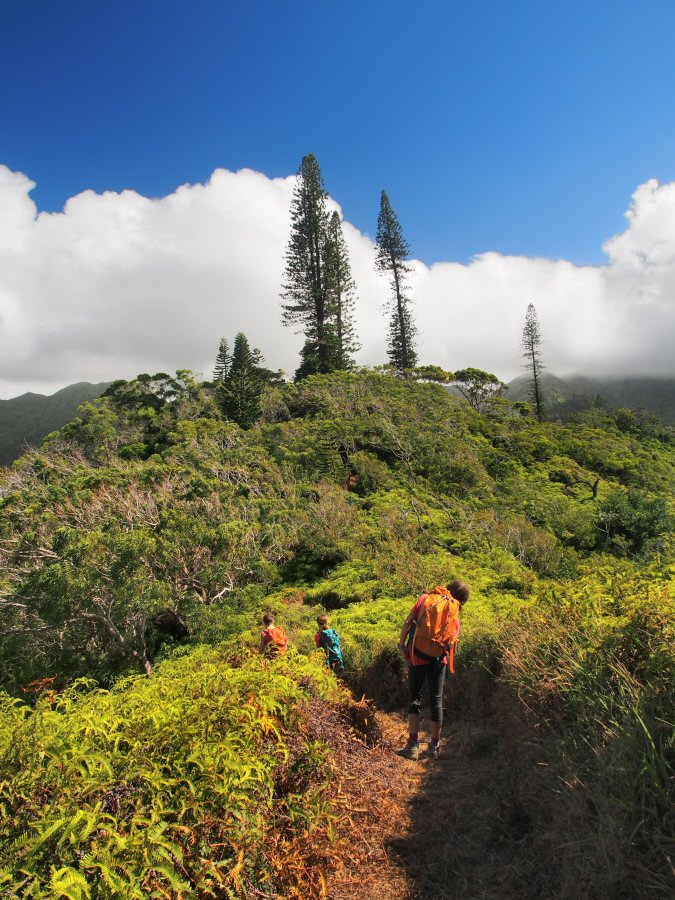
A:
[367,803]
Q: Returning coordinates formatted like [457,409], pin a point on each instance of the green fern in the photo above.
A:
[43,836]
[69,884]
[91,814]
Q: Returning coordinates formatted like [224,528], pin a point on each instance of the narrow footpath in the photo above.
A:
[481,822]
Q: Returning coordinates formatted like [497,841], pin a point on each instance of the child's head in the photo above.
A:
[459,590]
[322,621]
[268,619]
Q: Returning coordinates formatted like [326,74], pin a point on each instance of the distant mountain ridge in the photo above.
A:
[26,420]
[567,395]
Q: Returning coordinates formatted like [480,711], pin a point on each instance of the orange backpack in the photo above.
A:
[436,626]
[278,642]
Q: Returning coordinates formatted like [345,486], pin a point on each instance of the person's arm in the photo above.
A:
[458,625]
[406,628]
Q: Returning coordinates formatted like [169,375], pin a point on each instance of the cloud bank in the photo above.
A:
[119,284]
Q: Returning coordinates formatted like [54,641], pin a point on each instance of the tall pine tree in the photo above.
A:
[341,290]
[392,253]
[305,297]
[533,362]
[222,362]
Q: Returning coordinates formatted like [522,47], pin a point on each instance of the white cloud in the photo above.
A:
[119,284]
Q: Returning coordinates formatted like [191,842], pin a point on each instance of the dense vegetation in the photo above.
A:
[131,791]
[153,523]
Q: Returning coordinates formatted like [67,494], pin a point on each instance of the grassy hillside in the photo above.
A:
[26,420]
[152,524]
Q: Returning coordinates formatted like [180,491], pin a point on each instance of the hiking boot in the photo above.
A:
[431,752]
[410,751]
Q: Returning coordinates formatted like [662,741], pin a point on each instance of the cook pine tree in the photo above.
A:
[305,298]
[392,253]
[240,386]
[222,365]
[341,291]
[533,362]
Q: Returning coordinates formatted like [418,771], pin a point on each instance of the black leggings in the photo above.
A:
[434,674]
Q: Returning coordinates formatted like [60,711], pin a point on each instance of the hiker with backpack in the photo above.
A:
[329,639]
[273,640]
[427,643]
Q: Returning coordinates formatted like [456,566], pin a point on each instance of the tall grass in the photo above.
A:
[597,660]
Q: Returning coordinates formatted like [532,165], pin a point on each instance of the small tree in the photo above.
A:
[241,389]
[392,253]
[341,289]
[222,362]
[533,362]
[629,521]
[477,387]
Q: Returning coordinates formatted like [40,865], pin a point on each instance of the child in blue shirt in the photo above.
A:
[329,639]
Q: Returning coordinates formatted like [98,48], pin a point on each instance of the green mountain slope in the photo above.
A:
[569,395]
[151,525]
[26,420]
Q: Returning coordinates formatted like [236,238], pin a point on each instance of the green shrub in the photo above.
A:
[628,521]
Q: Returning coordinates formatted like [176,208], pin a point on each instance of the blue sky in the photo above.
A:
[528,149]
[520,128]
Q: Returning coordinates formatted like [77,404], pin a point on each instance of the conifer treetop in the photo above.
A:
[392,247]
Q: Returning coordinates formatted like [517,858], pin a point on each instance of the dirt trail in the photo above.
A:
[476,823]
